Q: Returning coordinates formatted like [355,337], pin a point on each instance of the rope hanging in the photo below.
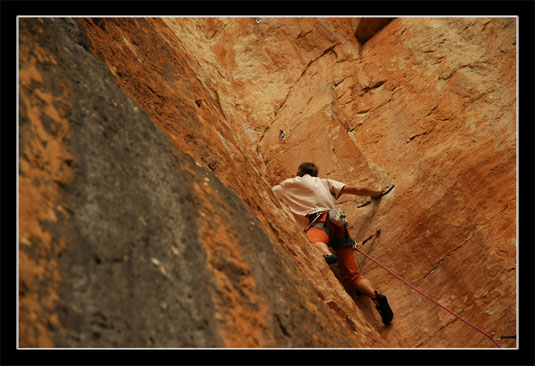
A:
[430,298]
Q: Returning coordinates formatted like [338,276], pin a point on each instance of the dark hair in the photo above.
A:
[307,168]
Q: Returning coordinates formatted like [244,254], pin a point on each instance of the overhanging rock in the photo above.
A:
[368,27]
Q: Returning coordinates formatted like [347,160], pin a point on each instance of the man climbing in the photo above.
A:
[310,198]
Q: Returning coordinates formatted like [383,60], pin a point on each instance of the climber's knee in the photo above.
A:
[323,248]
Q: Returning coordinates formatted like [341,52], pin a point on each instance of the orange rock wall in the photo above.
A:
[427,106]
[195,105]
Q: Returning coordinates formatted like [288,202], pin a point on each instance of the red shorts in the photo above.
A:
[349,273]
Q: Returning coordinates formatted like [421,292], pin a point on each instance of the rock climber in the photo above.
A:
[310,198]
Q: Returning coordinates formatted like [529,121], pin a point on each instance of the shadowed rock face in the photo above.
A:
[148,148]
[368,27]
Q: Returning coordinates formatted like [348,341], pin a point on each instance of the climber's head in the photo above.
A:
[307,168]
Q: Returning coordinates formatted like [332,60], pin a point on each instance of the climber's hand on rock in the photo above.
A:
[375,190]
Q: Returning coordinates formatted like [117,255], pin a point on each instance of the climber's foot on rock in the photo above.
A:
[384,308]
[331,258]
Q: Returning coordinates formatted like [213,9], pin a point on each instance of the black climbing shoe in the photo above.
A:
[384,308]
[331,258]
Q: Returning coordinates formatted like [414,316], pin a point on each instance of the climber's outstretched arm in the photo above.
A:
[361,190]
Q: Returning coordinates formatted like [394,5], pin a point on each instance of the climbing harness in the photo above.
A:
[427,296]
[338,218]
[313,218]
[336,215]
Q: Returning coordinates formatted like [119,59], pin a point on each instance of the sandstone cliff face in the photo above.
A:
[148,148]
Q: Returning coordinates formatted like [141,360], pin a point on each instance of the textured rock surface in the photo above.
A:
[141,246]
[107,201]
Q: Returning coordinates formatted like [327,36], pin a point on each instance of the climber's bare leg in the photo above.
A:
[322,247]
[365,287]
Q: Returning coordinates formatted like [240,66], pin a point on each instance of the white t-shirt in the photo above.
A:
[305,195]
